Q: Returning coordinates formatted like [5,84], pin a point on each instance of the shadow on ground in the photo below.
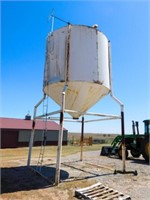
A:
[132,160]
[139,161]
[22,178]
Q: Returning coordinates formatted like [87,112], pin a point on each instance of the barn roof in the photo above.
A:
[22,124]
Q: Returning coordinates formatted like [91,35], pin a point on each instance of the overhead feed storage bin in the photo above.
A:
[79,57]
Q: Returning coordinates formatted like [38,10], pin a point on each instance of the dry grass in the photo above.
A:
[22,153]
[94,135]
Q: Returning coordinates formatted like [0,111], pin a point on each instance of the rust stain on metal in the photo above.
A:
[91,94]
[98,82]
[68,53]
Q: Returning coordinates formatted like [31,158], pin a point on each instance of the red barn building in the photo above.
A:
[16,132]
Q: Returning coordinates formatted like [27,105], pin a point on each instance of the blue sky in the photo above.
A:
[24,27]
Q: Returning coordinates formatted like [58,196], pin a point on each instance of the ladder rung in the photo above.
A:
[44,135]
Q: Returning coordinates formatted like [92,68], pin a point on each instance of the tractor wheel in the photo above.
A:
[120,153]
[135,153]
[146,149]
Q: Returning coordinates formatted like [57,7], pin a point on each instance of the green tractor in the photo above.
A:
[136,143]
[145,147]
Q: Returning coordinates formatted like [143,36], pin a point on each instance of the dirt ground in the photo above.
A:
[20,182]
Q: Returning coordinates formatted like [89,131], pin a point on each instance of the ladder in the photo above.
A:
[44,135]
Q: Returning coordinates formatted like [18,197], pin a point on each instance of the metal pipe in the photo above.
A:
[60,138]
[82,138]
[122,131]
[52,26]
[33,131]
[40,102]
[118,101]
[65,119]
[110,65]
[48,114]
[31,144]
[60,19]
[137,127]
[121,107]
[123,141]
[110,75]
[133,127]
[100,114]
[96,120]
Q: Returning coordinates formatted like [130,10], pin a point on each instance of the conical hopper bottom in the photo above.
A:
[80,96]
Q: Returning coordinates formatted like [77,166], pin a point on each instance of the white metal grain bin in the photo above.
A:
[79,56]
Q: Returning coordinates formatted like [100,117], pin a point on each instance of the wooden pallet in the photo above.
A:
[99,191]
